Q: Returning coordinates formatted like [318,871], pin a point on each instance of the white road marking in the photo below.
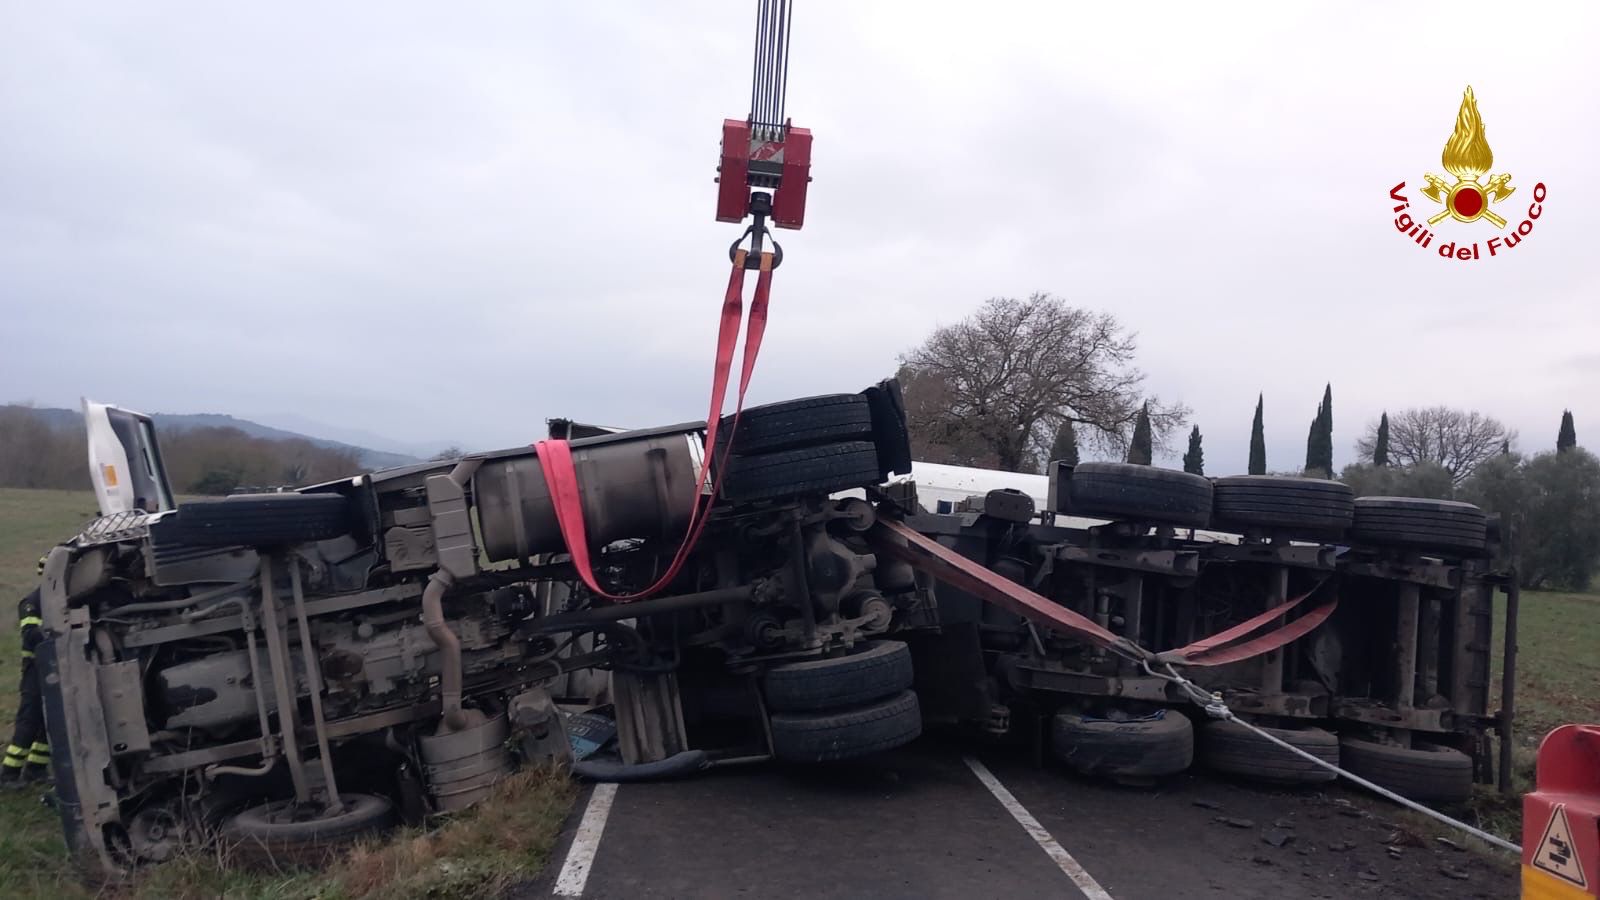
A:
[580,856]
[1091,889]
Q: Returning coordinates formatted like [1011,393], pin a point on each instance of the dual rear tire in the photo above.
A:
[845,707]
[1424,772]
[815,445]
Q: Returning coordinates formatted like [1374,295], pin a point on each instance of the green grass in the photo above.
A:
[33,858]
[1558,681]
[478,853]
[1558,662]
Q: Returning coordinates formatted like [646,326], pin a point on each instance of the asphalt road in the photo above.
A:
[921,822]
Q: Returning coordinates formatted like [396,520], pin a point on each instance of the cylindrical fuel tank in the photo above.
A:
[634,485]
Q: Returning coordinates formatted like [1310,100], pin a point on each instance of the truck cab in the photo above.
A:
[125,461]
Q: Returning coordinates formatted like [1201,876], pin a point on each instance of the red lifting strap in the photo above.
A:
[1211,652]
[899,540]
[555,456]
[902,542]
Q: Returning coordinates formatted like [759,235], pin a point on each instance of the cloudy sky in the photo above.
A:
[447,222]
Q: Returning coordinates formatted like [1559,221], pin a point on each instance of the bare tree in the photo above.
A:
[1457,439]
[993,388]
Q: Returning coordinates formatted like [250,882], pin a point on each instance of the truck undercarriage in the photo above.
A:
[1380,662]
[292,670]
[297,668]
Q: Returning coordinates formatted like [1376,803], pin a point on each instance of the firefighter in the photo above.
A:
[27,759]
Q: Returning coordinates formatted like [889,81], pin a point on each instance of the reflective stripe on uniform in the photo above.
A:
[27,654]
[14,750]
[37,760]
[14,755]
[25,621]
[40,747]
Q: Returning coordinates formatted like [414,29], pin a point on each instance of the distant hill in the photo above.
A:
[175,422]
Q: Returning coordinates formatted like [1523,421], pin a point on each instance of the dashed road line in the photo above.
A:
[580,856]
[1091,889]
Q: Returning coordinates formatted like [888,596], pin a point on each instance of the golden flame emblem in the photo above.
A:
[1467,156]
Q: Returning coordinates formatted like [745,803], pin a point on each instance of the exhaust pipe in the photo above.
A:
[449,649]
[452,529]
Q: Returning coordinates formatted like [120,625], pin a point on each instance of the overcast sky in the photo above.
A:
[447,222]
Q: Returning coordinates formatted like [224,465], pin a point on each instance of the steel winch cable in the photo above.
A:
[769,76]
[1214,706]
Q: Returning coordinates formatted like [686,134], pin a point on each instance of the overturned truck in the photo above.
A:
[294,670]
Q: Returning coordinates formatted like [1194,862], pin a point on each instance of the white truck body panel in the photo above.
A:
[941,487]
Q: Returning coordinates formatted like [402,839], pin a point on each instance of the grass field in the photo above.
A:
[1558,662]
[1558,681]
[479,853]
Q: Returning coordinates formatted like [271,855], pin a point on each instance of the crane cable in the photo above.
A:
[769,77]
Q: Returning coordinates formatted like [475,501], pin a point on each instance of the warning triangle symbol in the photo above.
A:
[1556,854]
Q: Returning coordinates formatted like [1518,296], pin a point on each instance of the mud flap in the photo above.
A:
[649,717]
[951,682]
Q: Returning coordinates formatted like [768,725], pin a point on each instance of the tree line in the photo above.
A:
[36,454]
[1020,382]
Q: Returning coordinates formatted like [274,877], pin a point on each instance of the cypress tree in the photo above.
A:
[1313,435]
[1325,433]
[1380,448]
[1568,436]
[1258,443]
[1194,461]
[1140,450]
[1065,448]
[1319,440]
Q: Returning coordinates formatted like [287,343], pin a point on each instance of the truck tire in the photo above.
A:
[265,835]
[813,470]
[1232,749]
[1420,524]
[809,422]
[872,671]
[260,520]
[890,431]
[1274,501]
[1139,493]
[848,733]
[1423,771]
[1151,747]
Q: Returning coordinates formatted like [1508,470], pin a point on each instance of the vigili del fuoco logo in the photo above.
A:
[1469,199]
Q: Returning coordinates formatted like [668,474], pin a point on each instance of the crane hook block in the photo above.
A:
[766,157]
